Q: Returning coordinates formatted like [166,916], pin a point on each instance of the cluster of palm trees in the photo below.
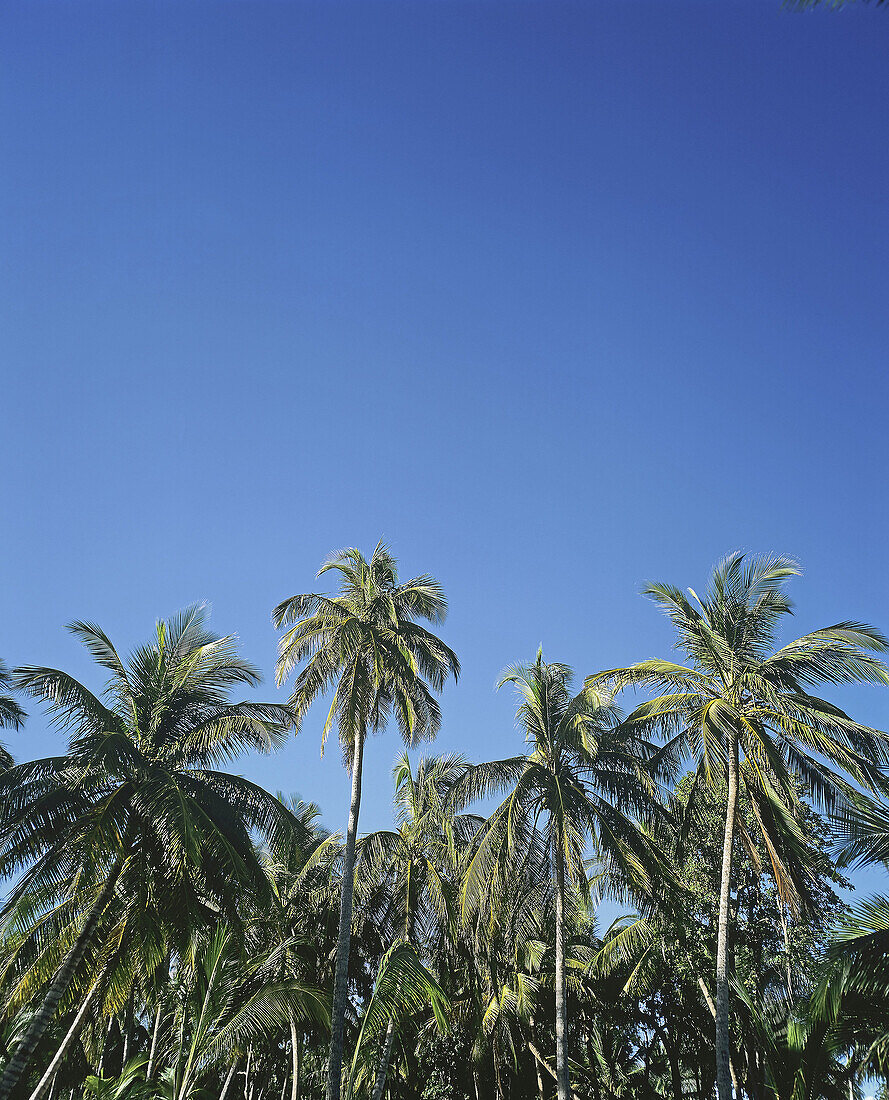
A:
[173,930]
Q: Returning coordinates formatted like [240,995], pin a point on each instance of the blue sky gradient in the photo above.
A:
[557,298]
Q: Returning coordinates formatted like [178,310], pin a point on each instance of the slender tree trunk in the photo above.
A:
[294,1055]
[383,1068]
[675,1073]
[786,932]
[563,1083]
[341,978]
[100,1069]
[152,1052]
[539,1072]
[672,1037]
[723,1037]
[21,1056]
[712,1007]
[66,1042]
[543,1064]
[127,1031]
[647,1076]
[228,1080]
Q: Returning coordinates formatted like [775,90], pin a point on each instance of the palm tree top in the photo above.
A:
[370,581]
[742,607]
[731,633]
[737,682]
[171,697]
[553,719]
[11,714]
[366,643]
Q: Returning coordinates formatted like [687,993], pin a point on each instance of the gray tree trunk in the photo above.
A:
[294,1054]
[228,1080]
[712,1007]
[103,1050]
[21,1056]
[152,1053]
[563,1083]
[127,1032]
[537,1061]
[723,1036]
[543,1064]
[66,1042]
[341,978]
[383,1068]
[248,1087]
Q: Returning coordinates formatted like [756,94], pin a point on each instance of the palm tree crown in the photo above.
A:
[366,645]
[584,772]
[141,760]
[738,684]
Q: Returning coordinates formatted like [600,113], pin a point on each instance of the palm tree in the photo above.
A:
[228,1001]
[403,985]
[136,801]
[852,998]
[366,645]
[293,933]
[738,697]
[411,861]
[582,771]
[11,714]
[804,1055]
[669,950]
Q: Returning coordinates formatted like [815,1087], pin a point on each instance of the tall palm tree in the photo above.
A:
[137,798]
[740,699]
[366,645]
[11,714]
[582,771]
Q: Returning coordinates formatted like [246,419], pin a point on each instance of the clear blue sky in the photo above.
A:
[557,298]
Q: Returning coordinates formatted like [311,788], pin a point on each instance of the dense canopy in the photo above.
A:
[173,930]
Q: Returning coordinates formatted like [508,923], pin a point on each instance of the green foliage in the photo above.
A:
[366,646]
[128,1085]
[763,952]
[444,1064]
[11,714]
[403,986]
